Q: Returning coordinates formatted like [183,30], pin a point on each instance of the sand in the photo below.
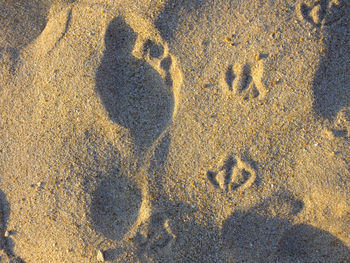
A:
[175,131]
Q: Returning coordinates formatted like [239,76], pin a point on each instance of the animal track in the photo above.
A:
[322,12]
[234,175]
[246,80]
[158,237]
[342,123]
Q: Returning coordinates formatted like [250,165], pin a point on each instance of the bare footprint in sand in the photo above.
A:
[140,95]
[115,206]
[6,242]
[137,94]
[331,82]
[21,22]
[257,236]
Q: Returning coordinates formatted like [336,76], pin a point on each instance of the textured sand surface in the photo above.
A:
[175,131]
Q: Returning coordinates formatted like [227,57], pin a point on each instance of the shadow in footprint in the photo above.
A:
[256,236]
[6,243]
[20,23]
[305,243]
[133,93]
[331,85]
[156,171]
[115,205]
[171,236]
[4,217]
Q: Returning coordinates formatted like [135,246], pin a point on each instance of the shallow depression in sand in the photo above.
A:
[115,206]
[134,93]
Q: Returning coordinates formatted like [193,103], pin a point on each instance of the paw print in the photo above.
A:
[322,12]
[246,80]
[154,237]
[340,127]
[234,175]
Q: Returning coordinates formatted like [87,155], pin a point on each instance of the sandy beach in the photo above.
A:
[175,131]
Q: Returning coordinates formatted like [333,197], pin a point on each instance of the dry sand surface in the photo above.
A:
[175,131]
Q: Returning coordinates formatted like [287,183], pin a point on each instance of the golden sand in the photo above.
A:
[175,131]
